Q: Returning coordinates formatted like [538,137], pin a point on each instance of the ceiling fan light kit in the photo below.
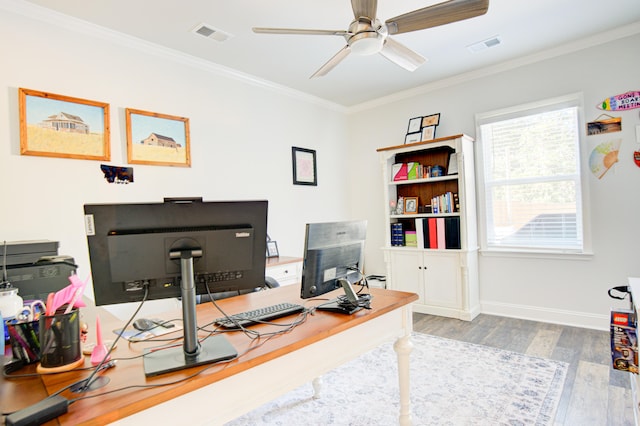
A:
[367,36]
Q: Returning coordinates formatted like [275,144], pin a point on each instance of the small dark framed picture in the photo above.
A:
[414,125]
[272,249]
[411,205]
[412,137]
[428,133]
[431,120]
[304,166]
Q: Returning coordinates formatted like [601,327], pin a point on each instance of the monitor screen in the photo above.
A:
[332,251]
[130,245]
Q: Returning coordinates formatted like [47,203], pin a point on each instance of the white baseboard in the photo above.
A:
[555,316]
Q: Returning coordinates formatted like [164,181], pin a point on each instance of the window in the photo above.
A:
[530,181]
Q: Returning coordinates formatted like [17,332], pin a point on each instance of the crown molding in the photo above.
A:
[575,46]
[51,17]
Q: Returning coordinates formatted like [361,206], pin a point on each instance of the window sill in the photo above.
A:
[540,254]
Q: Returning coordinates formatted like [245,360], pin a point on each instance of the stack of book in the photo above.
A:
[397,235]
[438,232]
[445,203]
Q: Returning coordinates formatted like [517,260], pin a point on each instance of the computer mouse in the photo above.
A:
[144,324]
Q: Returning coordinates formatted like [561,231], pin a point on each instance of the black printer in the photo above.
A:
[35,268]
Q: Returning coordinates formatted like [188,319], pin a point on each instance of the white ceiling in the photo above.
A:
[526,27]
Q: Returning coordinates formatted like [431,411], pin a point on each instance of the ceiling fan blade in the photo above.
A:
[436,15]
[331,63]
[297,31]
[366,8]
[401,55]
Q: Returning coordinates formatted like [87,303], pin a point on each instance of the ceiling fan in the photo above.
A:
[366,35]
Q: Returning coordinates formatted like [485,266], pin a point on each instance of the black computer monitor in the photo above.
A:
[333,258]
[171,249]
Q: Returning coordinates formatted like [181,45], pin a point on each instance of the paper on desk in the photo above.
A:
[133,335]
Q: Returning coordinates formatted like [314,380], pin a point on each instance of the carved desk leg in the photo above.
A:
[317,387]
[403,347]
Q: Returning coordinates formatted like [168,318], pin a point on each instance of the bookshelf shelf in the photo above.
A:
[425,180]
[441,266]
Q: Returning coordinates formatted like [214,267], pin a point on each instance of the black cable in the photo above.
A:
[89,381]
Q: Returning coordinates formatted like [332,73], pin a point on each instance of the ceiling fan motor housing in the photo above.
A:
[366,37]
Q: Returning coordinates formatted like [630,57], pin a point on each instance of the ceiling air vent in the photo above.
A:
[485,44]
[208,31]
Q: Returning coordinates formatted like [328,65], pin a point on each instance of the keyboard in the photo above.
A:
[255,316]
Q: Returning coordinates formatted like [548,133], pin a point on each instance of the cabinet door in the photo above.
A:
[442,279]
[406,273]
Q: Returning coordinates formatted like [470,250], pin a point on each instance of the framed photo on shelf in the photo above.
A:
[431,120]
[412,137]
[61,126]
[157,139]
[428,133]
[304,166]
[452,167]
[411,205]
[414,125]
[272,249]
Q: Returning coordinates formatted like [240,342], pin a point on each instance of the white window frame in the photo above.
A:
[572,100]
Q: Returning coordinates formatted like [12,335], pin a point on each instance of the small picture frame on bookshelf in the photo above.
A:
[414,125]
[412,137]
[452,167]
[411,205]
[428,133]
[431,120]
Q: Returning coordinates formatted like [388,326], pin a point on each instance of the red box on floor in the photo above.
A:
[624,340]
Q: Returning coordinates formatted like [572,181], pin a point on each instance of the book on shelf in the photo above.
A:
[445,203]
[397,234]
[440,230]
[410,239]
[420,232]
[452,232]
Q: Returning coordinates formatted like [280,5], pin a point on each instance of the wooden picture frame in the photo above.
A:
[157,139]
[304,166]
[62,126]
[431,120]
[428,133]
[410,205]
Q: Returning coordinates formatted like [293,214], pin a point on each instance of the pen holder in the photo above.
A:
[25,343]
[60,340]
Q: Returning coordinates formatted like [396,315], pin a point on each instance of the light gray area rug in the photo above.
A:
[452,383]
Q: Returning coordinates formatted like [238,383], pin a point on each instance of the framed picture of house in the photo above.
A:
[62,126]
[157,139]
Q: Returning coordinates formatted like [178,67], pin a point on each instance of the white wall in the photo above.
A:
[567,291]
[241,136]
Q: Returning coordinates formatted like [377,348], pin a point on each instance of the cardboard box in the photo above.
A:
[624,340]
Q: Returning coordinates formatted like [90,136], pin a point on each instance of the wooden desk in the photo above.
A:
[226,391]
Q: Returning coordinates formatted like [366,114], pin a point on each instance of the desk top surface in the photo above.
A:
[110,405]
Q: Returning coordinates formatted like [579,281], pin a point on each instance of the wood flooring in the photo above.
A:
[594,393]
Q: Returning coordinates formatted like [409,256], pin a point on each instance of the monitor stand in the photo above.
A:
[345,304]
[216,348]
